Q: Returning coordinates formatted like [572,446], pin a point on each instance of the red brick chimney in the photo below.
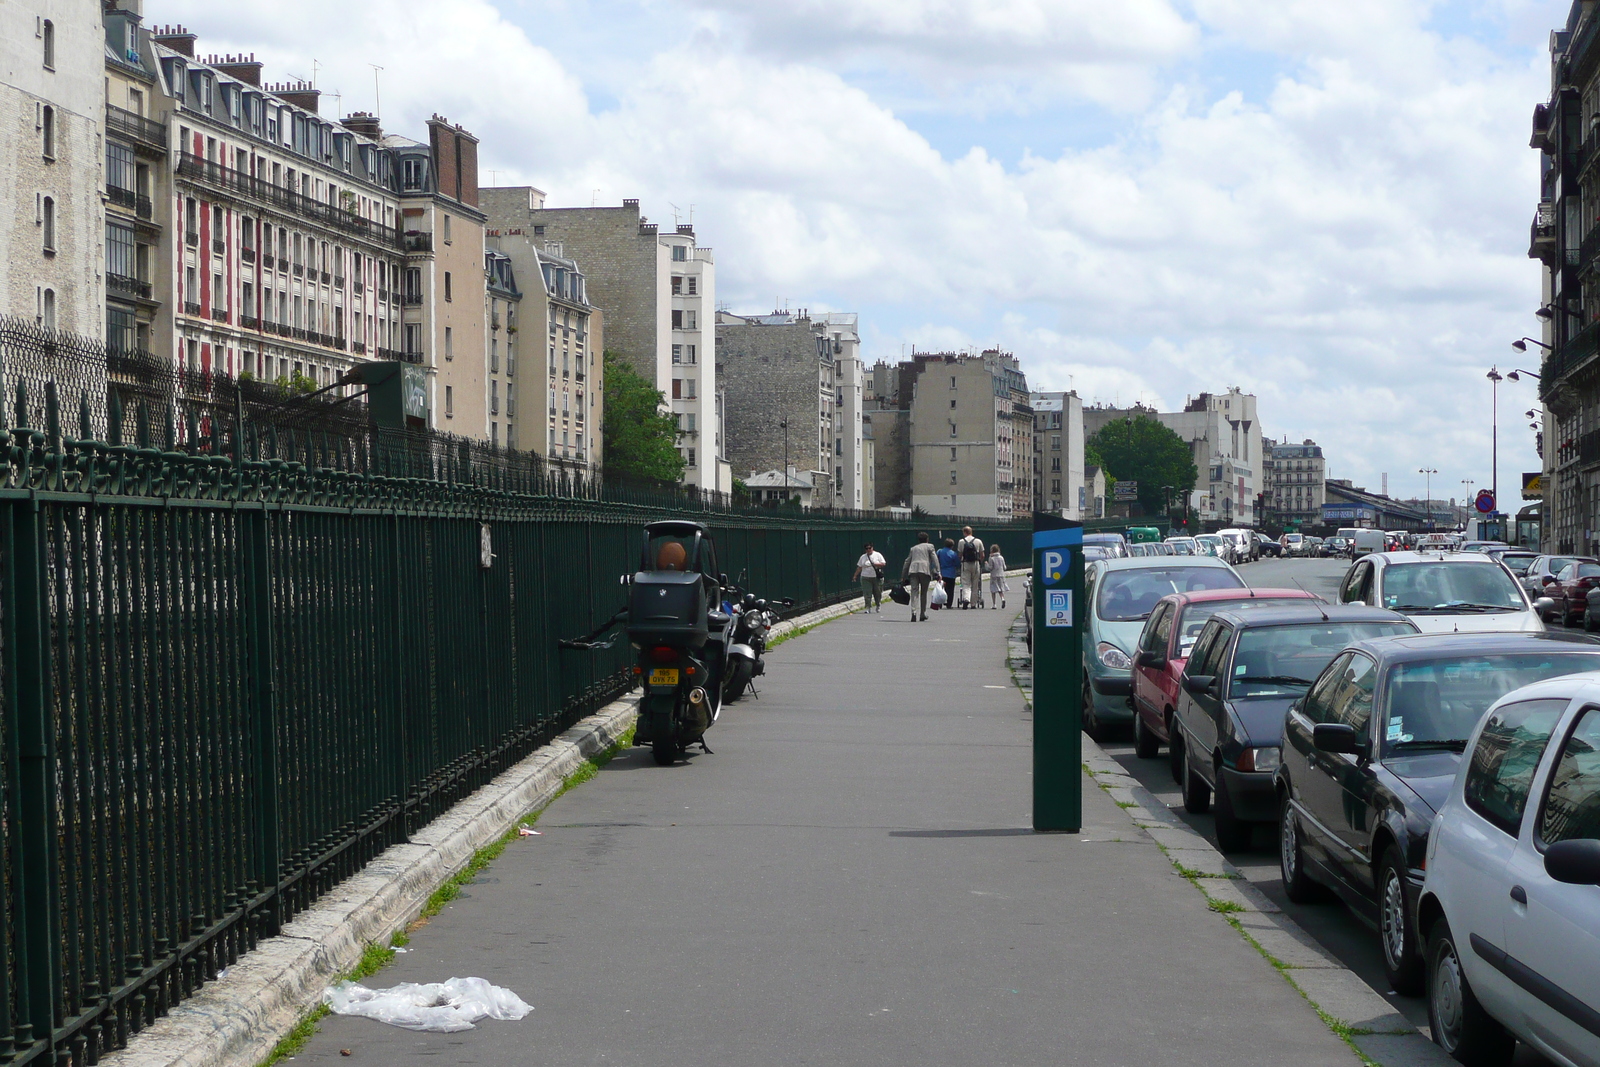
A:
[365,124]
[246,69]
[176,38]
[300,94]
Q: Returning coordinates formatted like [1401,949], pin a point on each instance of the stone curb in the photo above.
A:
[1326,983]
[237,1020]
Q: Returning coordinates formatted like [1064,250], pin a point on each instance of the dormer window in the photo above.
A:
[205,92]
[411,171]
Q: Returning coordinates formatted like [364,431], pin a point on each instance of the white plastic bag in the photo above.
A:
[437,1007]
[938,596]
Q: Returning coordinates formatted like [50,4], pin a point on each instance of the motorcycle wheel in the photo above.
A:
[738,682]
[664,751]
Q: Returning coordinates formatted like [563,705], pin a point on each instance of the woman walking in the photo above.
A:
[869,572]
[949,570]
[920,568]
[997,576]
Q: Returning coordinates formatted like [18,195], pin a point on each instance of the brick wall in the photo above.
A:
[769,373]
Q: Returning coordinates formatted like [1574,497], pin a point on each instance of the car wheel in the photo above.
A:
[1091,722]
[1297,884]
[1233,834]
[1146,745]
[1402,957]
[1588,621]
[1196,794]
[1460,1025]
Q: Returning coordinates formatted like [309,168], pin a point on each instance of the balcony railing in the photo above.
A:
[191,308]
[359,288]
[191,239]
[358,347]
[248,255]
[299,270]
[126,123]
[383,296]
[242,184]
[418,242]
[338,281]
[218,245]
[121,283]
[326,277]
[249,322]
[399,357]
[220,314]
[413,300]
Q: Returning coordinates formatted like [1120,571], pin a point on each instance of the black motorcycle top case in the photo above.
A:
[668,607]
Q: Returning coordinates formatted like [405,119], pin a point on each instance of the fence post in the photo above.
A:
[36,826]
[263,695]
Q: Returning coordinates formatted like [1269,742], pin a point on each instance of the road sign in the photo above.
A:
[1533,485]
[1057,673]
[1125,491]
[1485,501]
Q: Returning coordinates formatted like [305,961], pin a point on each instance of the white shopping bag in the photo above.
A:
[938,596]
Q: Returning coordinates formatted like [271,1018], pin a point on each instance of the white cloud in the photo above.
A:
[1348,243]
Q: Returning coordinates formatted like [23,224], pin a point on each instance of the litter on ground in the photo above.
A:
[435,1007]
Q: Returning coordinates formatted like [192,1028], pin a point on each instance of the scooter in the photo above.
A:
[747,644]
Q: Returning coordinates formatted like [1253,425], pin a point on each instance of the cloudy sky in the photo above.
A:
[1326,204]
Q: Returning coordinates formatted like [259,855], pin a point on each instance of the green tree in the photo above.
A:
[640,439]
[1144,451]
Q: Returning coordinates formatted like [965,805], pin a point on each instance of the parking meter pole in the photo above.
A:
[1057,673]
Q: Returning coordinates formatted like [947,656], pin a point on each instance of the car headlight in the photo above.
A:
[1113,657]
[1259,759]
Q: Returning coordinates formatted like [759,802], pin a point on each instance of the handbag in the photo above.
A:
[900,594]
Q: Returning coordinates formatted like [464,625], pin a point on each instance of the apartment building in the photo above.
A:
[52,71]
[656,291]
[1058,466]
[970,434]
[793,385]
[502,303]
[138,198]
[1293,483]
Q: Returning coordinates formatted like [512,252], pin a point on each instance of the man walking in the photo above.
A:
[920,568]
[970,549]
[869,572]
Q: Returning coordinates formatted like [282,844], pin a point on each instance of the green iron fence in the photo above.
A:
[244,648]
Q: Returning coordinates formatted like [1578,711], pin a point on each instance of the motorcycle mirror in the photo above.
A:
[788,602]
[626,579]
[722,579]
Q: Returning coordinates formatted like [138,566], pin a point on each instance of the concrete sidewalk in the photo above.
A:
[848,880]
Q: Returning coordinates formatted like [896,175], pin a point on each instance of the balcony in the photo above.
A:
[414,242]
[243,185]
[358,288]
[399,357]
[284,329]
[135,127]
[126,286]
[1542,235]
[218,245]
[249,322]
[338,281]
[383,296]
[191,308]
[358,347]
[413,300]
[326,277]
[192,239]
[299,270]
[248,255]
[220,314]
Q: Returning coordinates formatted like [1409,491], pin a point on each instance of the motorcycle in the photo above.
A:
[752,622]
[674,620]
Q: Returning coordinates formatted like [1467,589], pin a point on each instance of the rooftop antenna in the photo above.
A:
[377,100]
[315,66]
[674,208]
[594,198]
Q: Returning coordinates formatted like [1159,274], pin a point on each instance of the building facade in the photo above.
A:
[138,200]
[1058,467]
[657,293]
[52,97]
[970,432]
[1293,483]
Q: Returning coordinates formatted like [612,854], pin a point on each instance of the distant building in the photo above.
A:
[771,488]
[971,434]
[1292,486]
[1058,470]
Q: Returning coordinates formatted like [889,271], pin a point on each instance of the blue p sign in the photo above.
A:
[1054,562]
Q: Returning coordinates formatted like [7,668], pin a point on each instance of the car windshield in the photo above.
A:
[1130,595]
[1283,661]
[1197,614]
[1436,703]
[1518,565]
[1586,570]
[1445,588]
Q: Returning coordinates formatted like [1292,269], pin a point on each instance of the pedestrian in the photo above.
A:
[970,549]
[997,575]
[920,568]
[949,570]
[869,572]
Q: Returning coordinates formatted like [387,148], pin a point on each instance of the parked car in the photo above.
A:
[1542,571]
[1457,592]
[1105,539]
[1368,758]
[1510,909]
[1515,560]
[1119,596]
[1365,541]
[1337,546]
[1211,545]
[1182,546]
[1569,593]
[1243,543]
[1163,647]
[1293,544]
[1247,668]
[1094,552]
[1436,542]
[1480,546]
[1267,546]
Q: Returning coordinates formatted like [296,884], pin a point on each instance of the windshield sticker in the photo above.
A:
[1241,668]
[1397,727]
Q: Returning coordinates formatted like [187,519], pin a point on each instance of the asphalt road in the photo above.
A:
[1347,937]
[850,879]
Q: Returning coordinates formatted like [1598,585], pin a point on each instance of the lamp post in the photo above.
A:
[1494,377]
[1427,492]
[785,424]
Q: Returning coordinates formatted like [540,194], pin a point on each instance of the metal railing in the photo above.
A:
[137,127]
[226,178]
[122,283]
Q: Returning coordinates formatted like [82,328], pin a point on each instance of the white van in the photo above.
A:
[1365,541]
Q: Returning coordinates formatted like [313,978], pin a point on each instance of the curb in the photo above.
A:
[1352,1009]
[237,1020]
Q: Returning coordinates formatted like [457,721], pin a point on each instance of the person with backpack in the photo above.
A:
[972,555]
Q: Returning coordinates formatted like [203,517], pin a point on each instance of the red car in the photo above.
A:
[1169,634]
[1570,590]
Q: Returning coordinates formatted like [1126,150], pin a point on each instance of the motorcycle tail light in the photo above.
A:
[663,654]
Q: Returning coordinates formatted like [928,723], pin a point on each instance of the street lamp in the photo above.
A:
[1516,375]
[1522,346]
[1494,377]
[785,424]
[1427,492]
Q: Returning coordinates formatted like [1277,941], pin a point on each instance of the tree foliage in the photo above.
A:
[1143,450]
[640,438]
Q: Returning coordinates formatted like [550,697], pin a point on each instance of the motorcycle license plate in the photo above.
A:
[664,676]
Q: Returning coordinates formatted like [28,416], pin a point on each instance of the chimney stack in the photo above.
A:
[176,38]
[300,94]
[365,124]
[246,68]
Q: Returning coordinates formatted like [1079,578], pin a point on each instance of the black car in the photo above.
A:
[1246,668]
[1370,754]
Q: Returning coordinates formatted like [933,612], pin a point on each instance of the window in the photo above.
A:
[447,288]
[411,174]
[677,319]
[1500,772]
[511,407]
[677,388]
[677,285]
[47,310]
[449,344]
[494,397]
[1351,702]
[121,251]
[952,429]
[1572,804]
[952,403]
[952,381]
[691,457]
[414,285]
[449,402]
[952,477]
[47,221]
[680,254]
[47,131]
[689,356]
[47,35]
[1055,464]
[677,353]
[447,229]
[692,285]
[688,388]
[689,321]
[1055,442]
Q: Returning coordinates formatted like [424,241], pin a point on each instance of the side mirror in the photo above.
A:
[1544,605]
[1198,684]
[1575,862]
[1550,579]
[1337,737]
[1150,658]
[788,601]
[626,579]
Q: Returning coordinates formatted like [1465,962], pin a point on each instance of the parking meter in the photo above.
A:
[1057,673]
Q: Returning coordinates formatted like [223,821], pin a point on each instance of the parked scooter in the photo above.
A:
[674,619]
[752,622]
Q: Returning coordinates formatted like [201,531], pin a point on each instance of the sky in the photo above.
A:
[1326,205]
